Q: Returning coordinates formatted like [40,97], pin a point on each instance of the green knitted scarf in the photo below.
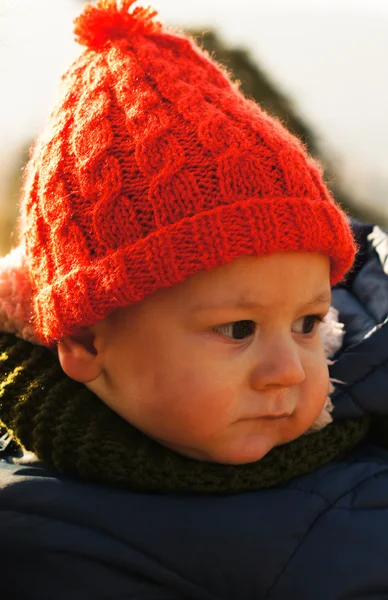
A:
[69,428]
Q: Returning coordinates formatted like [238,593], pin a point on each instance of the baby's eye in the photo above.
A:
[237,330]
[308,323]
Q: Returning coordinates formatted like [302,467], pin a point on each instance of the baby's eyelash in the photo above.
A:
[319,318]
[315,319]
[240,330]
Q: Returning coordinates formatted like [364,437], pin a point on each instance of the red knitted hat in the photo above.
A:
[154,166]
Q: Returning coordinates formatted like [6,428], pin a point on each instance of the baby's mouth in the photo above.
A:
[276,416]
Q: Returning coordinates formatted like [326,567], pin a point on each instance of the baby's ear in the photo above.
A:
[79,357]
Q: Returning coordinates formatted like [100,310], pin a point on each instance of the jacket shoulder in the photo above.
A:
[361,365]
[343,553]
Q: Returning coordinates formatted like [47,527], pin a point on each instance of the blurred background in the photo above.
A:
[319,65]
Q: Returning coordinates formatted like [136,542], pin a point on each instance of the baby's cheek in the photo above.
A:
[203,400]
[316,389]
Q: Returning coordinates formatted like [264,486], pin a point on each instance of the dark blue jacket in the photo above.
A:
[323,536]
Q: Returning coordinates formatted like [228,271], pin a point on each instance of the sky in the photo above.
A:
[329,56]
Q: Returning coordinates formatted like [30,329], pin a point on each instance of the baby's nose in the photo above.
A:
[278,364]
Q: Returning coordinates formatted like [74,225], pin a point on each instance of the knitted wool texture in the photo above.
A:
[154,166]
[69,427]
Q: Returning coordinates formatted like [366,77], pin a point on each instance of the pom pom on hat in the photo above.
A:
[106,22]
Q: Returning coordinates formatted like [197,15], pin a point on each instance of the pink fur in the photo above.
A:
[15,296]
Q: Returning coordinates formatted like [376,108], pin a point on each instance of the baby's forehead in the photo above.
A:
[251,281]
[267,288]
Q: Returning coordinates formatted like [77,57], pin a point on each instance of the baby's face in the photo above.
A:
[226,365]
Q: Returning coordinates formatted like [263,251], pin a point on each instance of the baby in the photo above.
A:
[178,252]
[180,245]
[222,367]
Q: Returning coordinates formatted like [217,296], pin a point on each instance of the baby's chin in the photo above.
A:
[254,446]
[241,451]
[249,450]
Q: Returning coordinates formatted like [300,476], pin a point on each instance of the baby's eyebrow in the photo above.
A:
[321,298]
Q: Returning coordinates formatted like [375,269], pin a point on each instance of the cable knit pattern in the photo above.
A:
[154,166]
